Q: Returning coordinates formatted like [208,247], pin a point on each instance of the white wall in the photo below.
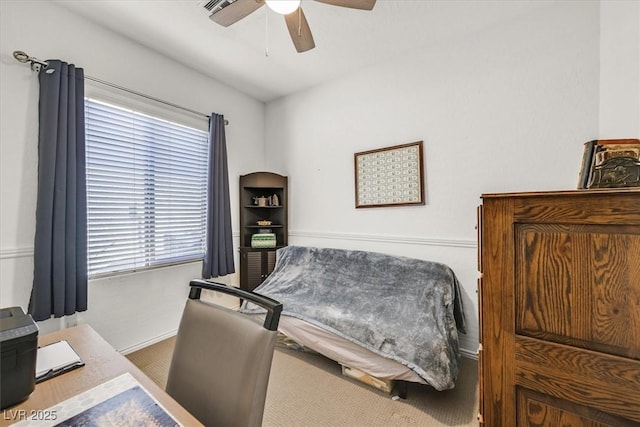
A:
[128,310]
[619,69]
[507,109]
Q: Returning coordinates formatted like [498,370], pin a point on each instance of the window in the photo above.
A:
[146,190]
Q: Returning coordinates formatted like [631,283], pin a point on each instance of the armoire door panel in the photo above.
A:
[537,410]
[545,282]
[579,285]
[616,291]
[580,376]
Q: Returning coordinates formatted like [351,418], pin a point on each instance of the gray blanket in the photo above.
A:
[405,309]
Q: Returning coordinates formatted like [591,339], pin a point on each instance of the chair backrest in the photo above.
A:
[222,359]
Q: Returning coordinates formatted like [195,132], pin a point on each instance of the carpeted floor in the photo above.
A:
[306,389]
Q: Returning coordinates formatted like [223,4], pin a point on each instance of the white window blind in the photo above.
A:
[146,190]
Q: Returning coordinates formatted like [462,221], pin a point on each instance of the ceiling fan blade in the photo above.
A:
[236,11]
[353,4]
[299,31]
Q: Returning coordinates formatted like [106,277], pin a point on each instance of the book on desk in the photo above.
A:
[56,359]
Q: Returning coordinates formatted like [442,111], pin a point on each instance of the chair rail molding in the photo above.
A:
[10,253]
[407,240]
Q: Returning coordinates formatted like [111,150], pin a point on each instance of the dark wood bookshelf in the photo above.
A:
[257,263]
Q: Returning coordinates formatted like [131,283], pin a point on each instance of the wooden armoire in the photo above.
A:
[559,296]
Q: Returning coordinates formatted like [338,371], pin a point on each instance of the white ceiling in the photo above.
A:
[256,55]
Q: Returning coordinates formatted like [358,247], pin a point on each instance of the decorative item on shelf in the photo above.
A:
[610,163]
[264,222]
[260,201]
[263,240]
[275,201]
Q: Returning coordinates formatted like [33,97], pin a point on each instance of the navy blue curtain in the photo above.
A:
[60,247]
[218,257]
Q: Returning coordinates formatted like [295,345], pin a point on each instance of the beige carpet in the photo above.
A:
[306,389]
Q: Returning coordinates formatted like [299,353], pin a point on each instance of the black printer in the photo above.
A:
[19,349]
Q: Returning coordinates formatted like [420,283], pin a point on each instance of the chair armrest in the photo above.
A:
[273,307]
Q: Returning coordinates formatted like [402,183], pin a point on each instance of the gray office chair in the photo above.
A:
[222,359]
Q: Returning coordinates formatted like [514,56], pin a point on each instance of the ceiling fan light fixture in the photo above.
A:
[283,7]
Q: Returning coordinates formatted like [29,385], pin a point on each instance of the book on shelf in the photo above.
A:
[587,163]
[610,163]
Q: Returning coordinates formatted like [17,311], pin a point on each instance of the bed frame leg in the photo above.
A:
[399,390]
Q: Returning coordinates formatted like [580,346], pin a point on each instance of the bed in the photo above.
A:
[390,317]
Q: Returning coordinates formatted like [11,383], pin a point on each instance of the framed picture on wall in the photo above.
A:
[390,176]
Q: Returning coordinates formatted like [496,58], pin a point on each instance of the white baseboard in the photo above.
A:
[148,342]
[468,354]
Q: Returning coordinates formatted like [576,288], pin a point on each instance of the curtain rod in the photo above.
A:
[37,64]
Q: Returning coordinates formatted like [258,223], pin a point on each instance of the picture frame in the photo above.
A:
[390,176]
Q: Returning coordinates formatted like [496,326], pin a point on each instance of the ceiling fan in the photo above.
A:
[229,12]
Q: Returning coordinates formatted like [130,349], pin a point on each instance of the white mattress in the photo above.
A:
[345,352]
